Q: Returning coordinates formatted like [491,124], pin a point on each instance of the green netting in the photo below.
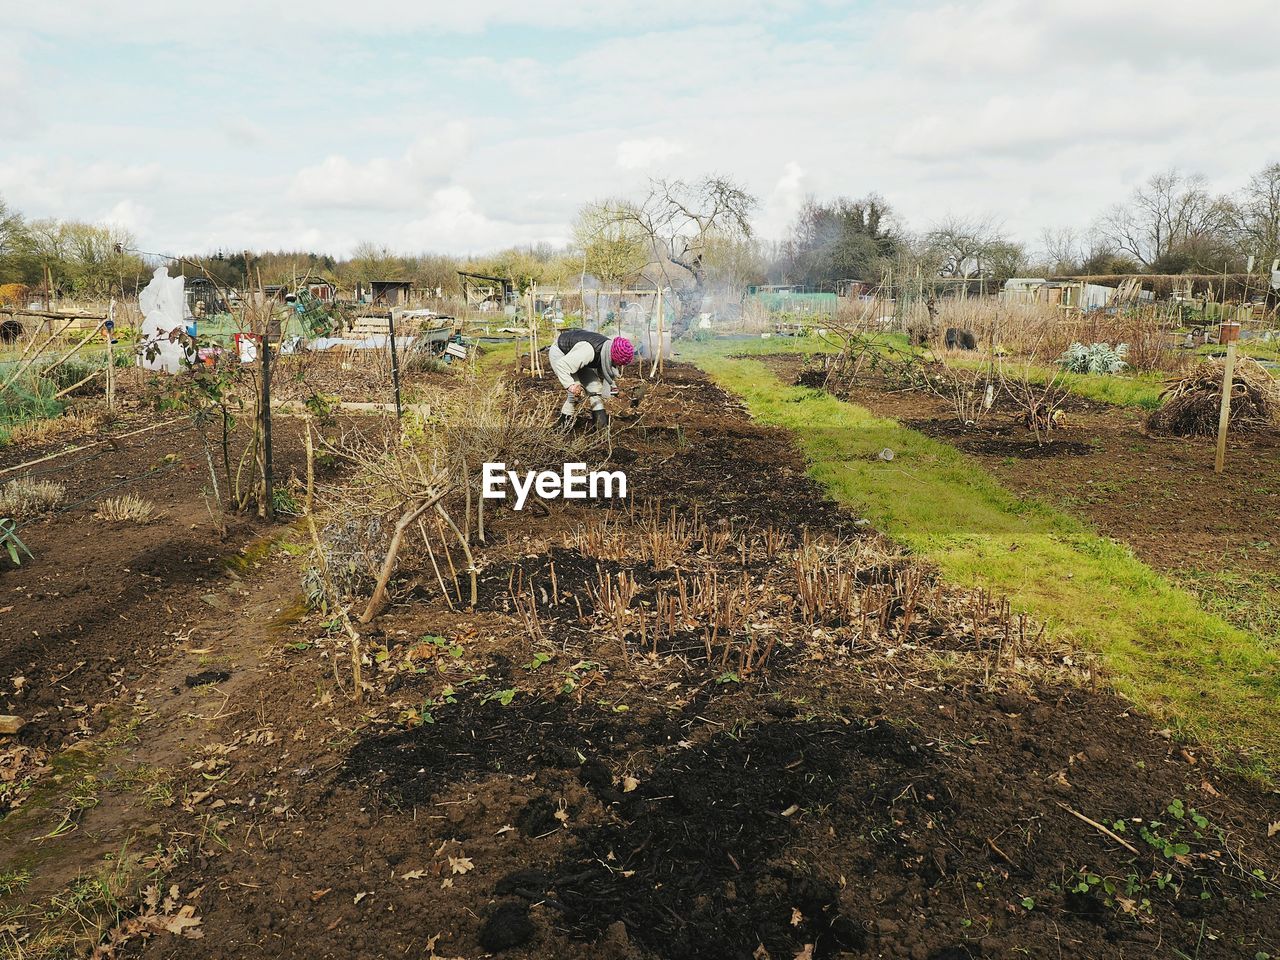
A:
[784,301]
[223,327]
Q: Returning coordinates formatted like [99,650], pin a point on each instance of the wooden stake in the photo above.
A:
[311,469]
[111,361]
[266,503]
[1224,410]
[661,319]
[533,335]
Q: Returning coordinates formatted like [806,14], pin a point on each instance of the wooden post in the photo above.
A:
[528,319]
[111,361]
[266,508]
[657,359]
[395,358]
[537,357]
[1224,410]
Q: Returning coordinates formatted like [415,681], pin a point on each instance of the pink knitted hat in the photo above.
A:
[621,353]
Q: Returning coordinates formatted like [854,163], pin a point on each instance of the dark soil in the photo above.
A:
[844,802]
[98,600]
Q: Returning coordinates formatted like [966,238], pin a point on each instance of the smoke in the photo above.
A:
[784,202]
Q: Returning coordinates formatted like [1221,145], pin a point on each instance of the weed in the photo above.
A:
[11,881]
[539,661]
[285,502]
[82,796]
[23,497]
[129,507]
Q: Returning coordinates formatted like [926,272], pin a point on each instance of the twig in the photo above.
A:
[998,852]
[1100,828]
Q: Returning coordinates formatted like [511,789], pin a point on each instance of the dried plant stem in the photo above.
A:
[466,550]
[411,514]
[434,566]
[322,565]
[448,556]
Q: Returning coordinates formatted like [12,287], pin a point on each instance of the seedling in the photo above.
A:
[539,661]
[453,649]
[11,881]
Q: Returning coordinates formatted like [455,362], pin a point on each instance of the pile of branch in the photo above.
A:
[1189,405]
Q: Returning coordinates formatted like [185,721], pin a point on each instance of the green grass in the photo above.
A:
[1258,349]
[496,356]
[1120,390]
[1215,683]
[1123,390]
[1249,600]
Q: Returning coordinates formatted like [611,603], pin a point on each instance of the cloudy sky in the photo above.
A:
[462,127]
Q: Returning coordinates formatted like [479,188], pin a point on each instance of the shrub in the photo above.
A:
[1095,358]
[130,507]
[27,498]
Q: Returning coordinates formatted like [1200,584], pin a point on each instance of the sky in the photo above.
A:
[465,127]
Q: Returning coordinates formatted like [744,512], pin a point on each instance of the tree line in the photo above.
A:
[694,236]
[67,257]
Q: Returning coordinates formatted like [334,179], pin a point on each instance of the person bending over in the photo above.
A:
[588,364]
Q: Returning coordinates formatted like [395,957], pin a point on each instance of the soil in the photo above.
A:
[99,599]
[902,793]
[1157,493]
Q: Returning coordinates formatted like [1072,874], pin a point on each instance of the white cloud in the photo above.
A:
[19,110]
[381,182]
[251,229]
[129,214]
[1037,114]
[783,202]
[453,221]
[648,152]
[61,185]
[244,132]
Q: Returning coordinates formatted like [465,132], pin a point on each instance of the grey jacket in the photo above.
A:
[584,355]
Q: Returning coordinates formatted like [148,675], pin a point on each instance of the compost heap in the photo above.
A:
[1190,405]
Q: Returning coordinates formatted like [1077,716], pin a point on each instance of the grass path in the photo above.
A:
[1120,390]
[1212,682]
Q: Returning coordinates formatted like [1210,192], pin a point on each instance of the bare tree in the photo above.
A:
[612,246]
[682,220]
[963,243]
[1254,217]
[1061,250]
[1169,213]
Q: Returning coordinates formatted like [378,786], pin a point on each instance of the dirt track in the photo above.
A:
[883,798]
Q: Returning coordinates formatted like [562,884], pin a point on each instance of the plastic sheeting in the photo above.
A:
[163,307]
[374,342]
